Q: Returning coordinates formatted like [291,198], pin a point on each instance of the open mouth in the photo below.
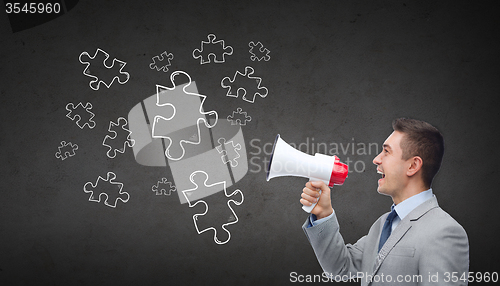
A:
[380,172]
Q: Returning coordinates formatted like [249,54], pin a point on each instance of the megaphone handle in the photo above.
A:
[308,209]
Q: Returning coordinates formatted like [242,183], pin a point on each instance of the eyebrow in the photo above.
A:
[387,146]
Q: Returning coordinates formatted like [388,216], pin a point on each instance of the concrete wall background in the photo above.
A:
[340,71]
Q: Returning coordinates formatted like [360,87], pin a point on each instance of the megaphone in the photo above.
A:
[288,161]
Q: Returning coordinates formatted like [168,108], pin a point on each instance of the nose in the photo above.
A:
[377,160]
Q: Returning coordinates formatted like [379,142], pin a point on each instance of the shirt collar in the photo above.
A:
[406,206]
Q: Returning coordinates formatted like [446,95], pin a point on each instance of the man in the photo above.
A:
[417,243]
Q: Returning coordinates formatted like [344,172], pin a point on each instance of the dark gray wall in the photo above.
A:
[340,71]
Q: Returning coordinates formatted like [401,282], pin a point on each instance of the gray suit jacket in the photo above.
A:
[428,241]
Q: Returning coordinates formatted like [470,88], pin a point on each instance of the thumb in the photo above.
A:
[320,185]
[325,190]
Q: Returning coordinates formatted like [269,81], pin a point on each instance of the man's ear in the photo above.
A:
[415,165]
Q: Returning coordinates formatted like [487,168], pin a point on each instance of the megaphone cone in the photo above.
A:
[288,161]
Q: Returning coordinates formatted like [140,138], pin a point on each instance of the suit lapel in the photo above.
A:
[402,229]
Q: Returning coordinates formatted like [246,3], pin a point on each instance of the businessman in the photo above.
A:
[417,242]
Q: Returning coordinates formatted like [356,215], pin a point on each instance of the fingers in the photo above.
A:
[310,190]
[310,195]
[317,192]
[306,203]
[309,199]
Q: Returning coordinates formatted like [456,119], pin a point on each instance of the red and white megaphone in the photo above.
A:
[288,161]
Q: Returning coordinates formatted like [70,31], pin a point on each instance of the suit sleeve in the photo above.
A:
[446,254]
[333,255]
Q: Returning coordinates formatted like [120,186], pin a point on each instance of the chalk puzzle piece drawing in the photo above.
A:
[81,114]
[229,150]
[119,138]
[106,190]
[216,50]
[239,117]
[98,68]
[220,207]
[161,62]
[163,187]
[66,150]
[174,120]
[244,84]
[258,52]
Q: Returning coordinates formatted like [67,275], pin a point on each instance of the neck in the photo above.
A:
[409,191]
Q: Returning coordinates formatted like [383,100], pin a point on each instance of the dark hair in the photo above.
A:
[423,140]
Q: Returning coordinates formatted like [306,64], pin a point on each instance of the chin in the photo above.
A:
[382,191]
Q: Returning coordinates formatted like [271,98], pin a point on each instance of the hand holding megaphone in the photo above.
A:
[288,161]
[317,193]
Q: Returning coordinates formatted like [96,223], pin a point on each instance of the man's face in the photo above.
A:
[391,166]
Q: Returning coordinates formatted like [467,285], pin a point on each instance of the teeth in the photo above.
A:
[379,172]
